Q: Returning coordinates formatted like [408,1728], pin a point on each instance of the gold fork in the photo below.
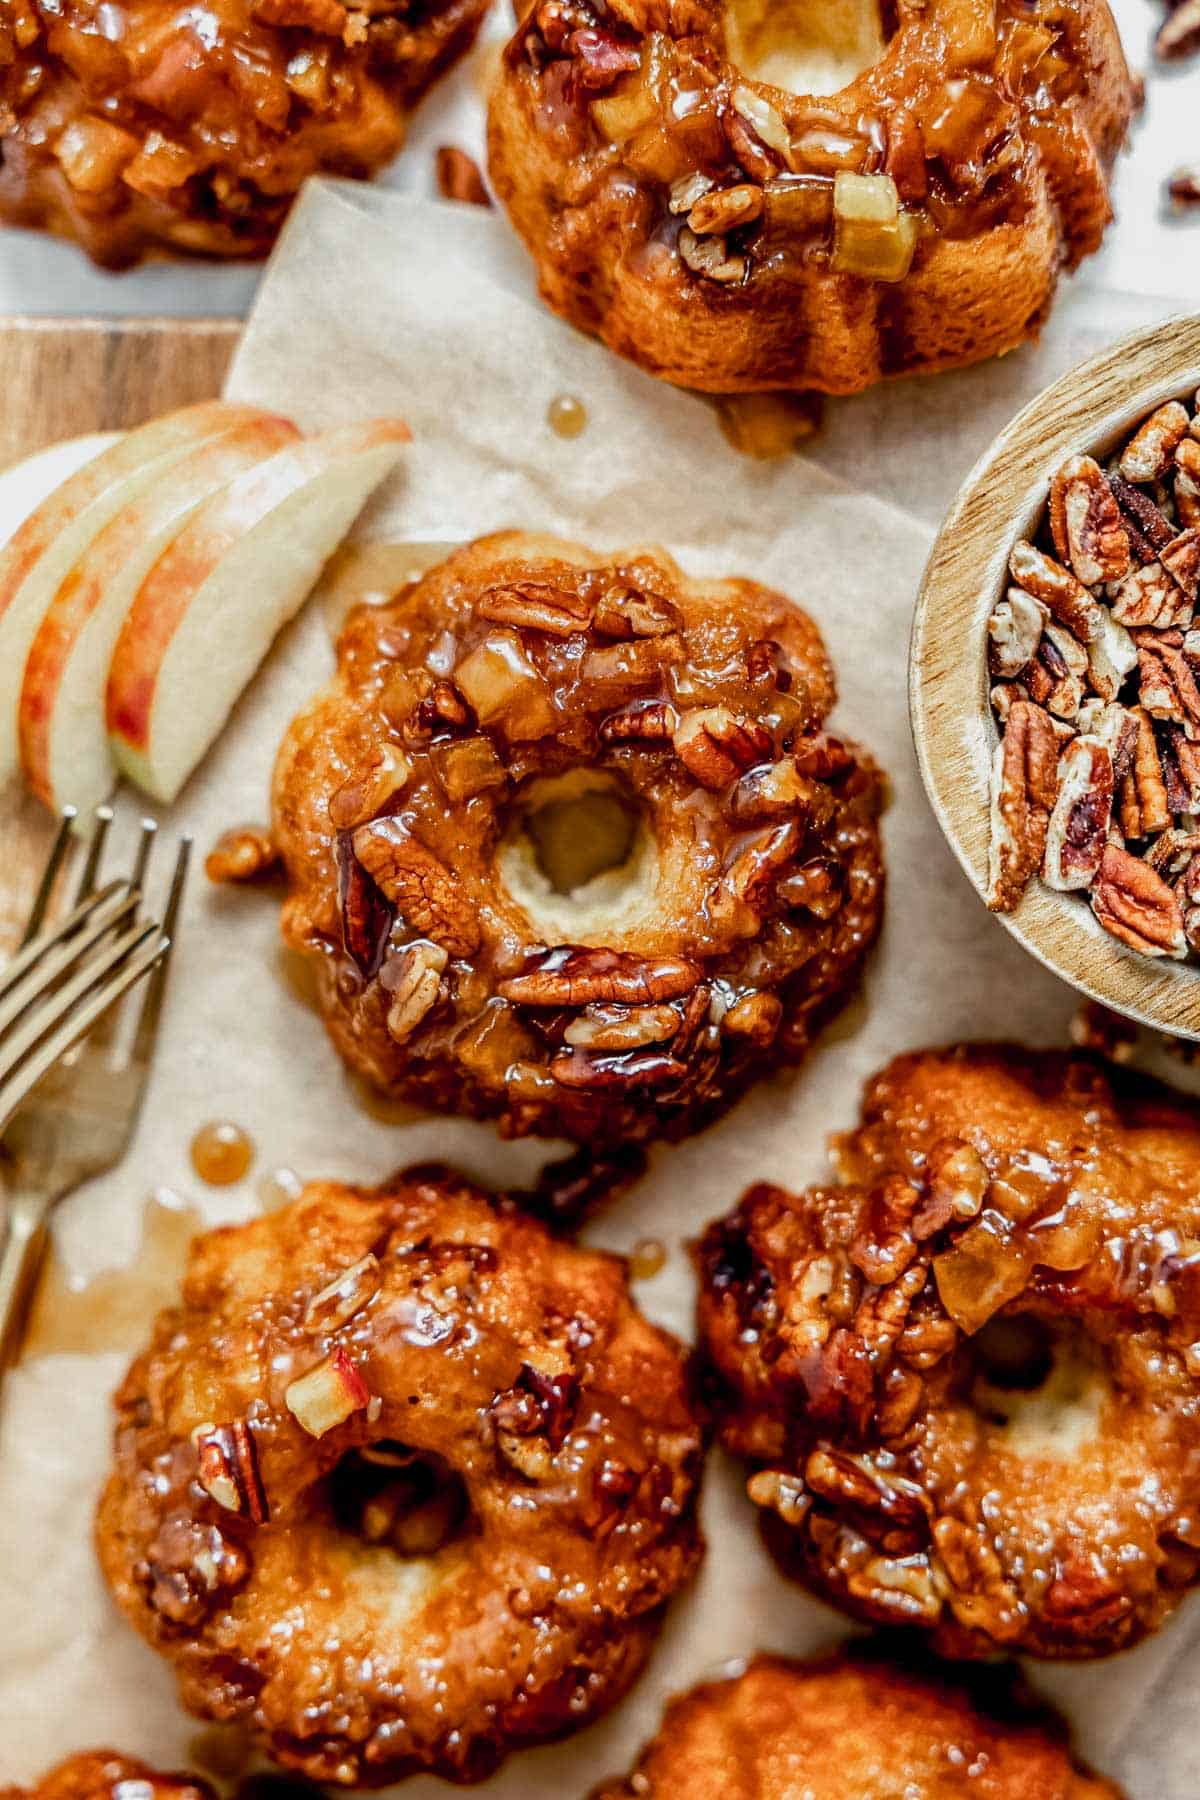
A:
[78,1095]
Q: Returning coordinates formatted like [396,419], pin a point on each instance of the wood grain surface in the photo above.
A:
[62,377]
[1091,409]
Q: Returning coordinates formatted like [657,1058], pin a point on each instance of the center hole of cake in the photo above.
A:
[1042,1389]
[807,46]
[577,856]
[399,1499]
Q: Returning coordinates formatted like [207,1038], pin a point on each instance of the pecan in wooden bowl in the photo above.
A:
[968,1378]
[1055,677]
[571,844]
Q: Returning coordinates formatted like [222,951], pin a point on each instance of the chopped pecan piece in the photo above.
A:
[1024,786]
[1111,655]
[748,884]
[1148,526]
[570,976]
[725,209]
[622,611]
[429,896]
[458,177]
[1086,524]
[365,914]
[1180,760]
[412,978]
[1181,559]
[243,854]
[1078,828]
[710,256]
[1136,906]
[715,745]
[1014,632]
[1059,591]
[644,721]
[606,1027]
[227,1469]
[1056,676]
[635,1069]
[1151,450]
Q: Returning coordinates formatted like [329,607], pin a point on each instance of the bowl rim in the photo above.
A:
[954,730]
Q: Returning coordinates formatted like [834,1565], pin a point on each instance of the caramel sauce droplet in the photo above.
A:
[647,1258]
[566,415]
[221,1153]
[115,1308]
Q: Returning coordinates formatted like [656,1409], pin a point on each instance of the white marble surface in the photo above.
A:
[1146,253]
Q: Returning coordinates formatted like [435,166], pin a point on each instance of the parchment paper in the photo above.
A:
[378,302]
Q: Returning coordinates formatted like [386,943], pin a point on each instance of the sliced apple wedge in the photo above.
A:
[206,614]
[25,484]
[60,713]
[47,544]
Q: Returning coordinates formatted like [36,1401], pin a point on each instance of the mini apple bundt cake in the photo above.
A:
[137,127]
[742,195]
[970,1376]
[106,1775]
[570,842]
[403,1483]
[854,1727]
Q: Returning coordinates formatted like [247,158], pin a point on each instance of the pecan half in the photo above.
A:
[1086,525]
[1014,632]
[1136,906]
[1166,683]
[635,1069]
[1180,759]
[1024,786]
[428,895]
[642,721]
[572,976]
[747,887]
[1078,828]
[1144,804]
[714,745]
[537,606]
[1151,450]
[1059,591]
[1148,526]
[1181,559]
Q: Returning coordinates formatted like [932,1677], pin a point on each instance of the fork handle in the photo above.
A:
[20,1263]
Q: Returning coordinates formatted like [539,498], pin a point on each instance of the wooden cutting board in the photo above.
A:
[59,378]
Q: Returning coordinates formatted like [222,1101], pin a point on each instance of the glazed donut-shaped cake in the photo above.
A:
[402,1484]
[570,843]
[969,1377]
[137,127]
[744,195]
[106,1775]
[853,1727]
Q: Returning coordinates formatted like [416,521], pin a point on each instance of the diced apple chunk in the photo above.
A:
[328,1395]
[208,610]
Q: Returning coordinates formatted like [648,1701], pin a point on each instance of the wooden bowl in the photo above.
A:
[1093,409]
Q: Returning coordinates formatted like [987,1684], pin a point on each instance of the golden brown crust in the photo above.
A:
[851,1727]
[107,1775]
[533,1511]
[996,127]
[525,662]
[1032,1487]
[154,129]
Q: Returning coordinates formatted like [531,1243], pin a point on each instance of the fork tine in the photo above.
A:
[156,988]
[59,1004]
[145,845]
[54,862]
[18,1084]
[47,957]
[91,868]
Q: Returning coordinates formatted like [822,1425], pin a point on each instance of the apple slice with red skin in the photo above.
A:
[60,714]
[55,534]
[25,484]
[208,611]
